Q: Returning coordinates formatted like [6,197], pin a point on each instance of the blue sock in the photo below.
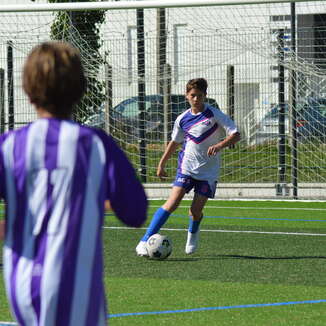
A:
[193,225]
[159,218]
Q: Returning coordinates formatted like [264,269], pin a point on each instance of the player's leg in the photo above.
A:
[163,213]
[203,190]
[195,217]
[160,217]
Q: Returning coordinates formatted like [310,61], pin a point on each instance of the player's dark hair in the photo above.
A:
[197,83]
[53,77]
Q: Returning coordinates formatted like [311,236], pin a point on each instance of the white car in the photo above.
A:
[268,128]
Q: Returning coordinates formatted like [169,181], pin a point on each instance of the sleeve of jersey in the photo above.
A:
[177,132]
[227,123]
[125,192]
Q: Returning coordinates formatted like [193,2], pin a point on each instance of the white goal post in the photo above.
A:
[143,4]
[264,60]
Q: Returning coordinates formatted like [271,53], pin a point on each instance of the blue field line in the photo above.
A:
[255,218]
[259,305]
[256,305]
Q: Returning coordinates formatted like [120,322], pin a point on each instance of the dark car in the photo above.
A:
[311,120]
[126,115]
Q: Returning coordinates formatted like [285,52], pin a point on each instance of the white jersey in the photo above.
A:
[198,132]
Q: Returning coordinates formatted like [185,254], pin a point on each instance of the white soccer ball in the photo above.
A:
[159,246]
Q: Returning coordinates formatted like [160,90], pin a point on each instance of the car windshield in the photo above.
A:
[153,105]
[129,108]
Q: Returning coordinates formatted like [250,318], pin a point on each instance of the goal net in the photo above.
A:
[265,65]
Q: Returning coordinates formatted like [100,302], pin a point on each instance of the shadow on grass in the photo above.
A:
[219,257]
[177,259]
[259,257]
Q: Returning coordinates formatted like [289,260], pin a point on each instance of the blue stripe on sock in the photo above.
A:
[193,225]
[158,220]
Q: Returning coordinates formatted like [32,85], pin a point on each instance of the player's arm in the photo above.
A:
[177,138]
[125,193]
[169,151]
[228,141]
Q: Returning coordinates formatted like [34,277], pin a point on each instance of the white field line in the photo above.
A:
[223,231]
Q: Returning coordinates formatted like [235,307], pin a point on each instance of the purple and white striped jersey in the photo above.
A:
[54,177]
[198,132]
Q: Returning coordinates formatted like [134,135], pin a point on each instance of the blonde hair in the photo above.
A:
[53,77]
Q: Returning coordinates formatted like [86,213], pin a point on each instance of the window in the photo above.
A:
[130,108]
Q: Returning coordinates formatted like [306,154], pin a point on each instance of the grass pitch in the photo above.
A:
[259,263]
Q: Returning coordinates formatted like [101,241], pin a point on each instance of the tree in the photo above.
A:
[81,28]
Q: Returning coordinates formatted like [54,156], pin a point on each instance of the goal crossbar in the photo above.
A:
[109,5]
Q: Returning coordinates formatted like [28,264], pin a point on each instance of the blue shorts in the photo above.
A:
[201,187]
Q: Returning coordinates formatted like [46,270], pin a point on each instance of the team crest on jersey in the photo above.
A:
[206,122]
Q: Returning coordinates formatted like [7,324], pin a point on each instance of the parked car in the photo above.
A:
[311,120]
[126,114]
[268,128]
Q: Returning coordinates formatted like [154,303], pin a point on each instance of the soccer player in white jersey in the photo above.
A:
[55,176]
[200,129]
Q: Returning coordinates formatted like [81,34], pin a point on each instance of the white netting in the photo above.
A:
[202,42]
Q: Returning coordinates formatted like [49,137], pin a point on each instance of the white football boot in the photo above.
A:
[141,249]
[192,242]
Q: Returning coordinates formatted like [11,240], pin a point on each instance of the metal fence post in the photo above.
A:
[2,100]
[109,128]
[10,73]
[167,102]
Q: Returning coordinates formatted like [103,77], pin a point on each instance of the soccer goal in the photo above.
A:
[265,63]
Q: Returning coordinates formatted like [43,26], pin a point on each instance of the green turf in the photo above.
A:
[230,268]
[139,294]
[258,163]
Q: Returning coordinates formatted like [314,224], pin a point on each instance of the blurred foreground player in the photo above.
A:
[55,176]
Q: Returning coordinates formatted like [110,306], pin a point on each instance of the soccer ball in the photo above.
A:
[159,246]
